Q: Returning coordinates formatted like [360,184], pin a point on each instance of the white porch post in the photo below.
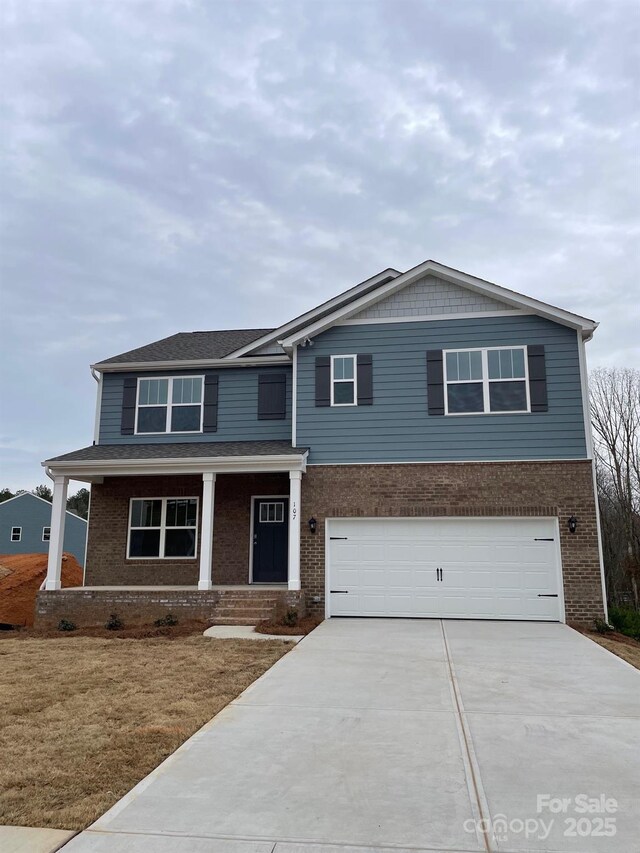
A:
[56,539]
[295,488]
[206,533]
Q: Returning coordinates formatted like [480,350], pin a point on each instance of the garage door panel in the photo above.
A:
[488,568]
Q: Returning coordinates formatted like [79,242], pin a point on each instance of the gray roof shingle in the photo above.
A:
[188,346]
[195,449]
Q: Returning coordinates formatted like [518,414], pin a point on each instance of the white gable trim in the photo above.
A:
[281,331]
[509,297]
[425,318]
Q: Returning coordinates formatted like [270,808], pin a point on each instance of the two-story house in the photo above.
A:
[418,446]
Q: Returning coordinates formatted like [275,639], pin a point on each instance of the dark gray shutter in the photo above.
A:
[435,382]
[210,415]
[323,380]
[365,379]
[272,396]
[129,392]
[537,378]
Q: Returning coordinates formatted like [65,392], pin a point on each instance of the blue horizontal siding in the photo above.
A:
[32,514]
[398,428]
[237,409]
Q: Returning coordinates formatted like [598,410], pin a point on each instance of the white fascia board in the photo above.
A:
[509,297]
[193,364]
[281,331]
[197,465]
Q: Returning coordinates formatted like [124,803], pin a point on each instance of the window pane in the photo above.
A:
[494,364]
[507,396]
[143,392]
[343,392]
[46,534]
[178,388]
[452,366]
[476,364]
[185,419]
[144,543]
[146,513]
[347,368]
[506,371]
[465,398]
[180,543]
[153,392]
[181,513]
[517,356]
[464,369]
[152,419]
[338,368]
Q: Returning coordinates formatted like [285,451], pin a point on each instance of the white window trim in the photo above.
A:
[19,539]
[169,404]
[43,532]
[485,381]
[163,525]
[344,381]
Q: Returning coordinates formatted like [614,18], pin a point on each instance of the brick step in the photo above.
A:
[248,614]
[234,620]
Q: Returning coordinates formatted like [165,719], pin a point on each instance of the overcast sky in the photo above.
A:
[173,166]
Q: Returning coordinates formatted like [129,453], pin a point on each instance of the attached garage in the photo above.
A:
[457,568]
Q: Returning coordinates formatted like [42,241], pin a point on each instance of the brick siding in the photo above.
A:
[557,489]
[107,562]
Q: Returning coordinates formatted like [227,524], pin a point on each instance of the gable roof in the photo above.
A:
[43,500]
[189,346]
[358,302]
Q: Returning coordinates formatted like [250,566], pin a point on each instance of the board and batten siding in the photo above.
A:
[237,409]
[397,427]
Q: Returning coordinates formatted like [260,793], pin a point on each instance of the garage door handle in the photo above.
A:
[338,537]
[544,540]
[547,595]
[339,591]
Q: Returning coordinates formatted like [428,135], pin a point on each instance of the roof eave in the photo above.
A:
[187,364]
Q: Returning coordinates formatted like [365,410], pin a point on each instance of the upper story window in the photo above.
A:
[486,380]
[16,534]
[344,390]
[46,534]
[166,405]
[162,528]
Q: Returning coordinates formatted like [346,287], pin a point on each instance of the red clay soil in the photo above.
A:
[21,576]
[303,626]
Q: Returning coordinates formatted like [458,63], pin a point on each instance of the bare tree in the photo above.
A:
[615,415]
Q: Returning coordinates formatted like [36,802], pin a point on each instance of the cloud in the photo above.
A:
[169,166]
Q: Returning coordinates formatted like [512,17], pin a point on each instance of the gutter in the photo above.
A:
[187,364]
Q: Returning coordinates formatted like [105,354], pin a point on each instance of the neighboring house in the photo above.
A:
[25,527]
[21,576]
[417,446]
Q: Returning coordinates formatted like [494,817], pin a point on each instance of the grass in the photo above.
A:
[83,719]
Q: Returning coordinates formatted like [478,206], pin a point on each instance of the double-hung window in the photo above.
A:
[482,381]
[344,390]
[46,534]
[169,405]
[163,528]
[16,534]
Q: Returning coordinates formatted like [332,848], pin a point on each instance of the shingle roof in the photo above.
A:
[187,346]
[196,449]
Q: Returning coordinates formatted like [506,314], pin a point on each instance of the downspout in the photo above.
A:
[96,429]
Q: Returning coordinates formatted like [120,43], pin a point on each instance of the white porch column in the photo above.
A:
[206,533]
[295,488]
[56,539]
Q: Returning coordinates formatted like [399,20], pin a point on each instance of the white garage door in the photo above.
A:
[498,568]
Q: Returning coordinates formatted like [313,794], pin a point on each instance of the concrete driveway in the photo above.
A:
[388,734]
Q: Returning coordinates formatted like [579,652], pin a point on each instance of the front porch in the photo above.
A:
[216,537]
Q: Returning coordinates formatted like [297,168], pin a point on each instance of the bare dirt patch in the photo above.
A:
[624,647]
[279,628]
[83,719]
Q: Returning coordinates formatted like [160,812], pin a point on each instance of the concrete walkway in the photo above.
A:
[404,735]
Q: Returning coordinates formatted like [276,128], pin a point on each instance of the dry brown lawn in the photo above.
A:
[624,647]
[83,719]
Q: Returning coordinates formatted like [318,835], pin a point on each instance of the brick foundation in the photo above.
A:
[464,489]
[90,607]
[107,563]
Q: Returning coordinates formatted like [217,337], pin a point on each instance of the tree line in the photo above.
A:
[78,503]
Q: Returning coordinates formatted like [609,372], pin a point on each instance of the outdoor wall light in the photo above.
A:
[312,524]
[572,524]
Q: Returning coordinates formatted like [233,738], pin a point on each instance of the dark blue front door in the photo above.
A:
[270,539]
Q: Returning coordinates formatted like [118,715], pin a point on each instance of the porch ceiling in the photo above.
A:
[100,460]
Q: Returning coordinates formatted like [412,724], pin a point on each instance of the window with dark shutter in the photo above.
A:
[536,363]
[210,414]
[435,382]
[272,396]
[323,380]
[128,418]
[365,379]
